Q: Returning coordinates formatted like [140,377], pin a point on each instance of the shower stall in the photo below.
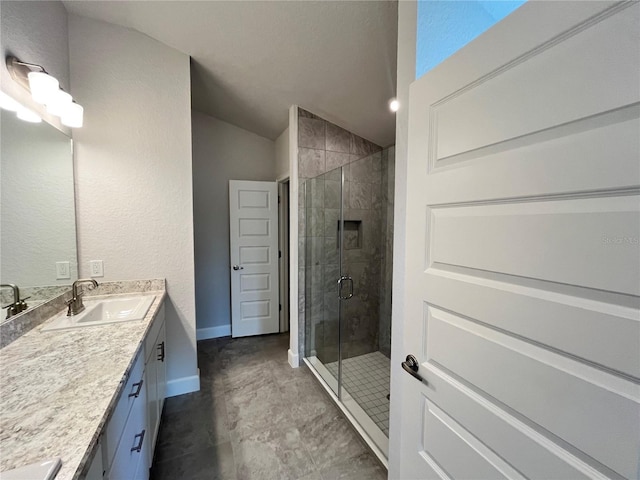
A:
[348,239]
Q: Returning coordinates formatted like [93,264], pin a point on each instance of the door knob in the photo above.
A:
[411,365]
[238,267]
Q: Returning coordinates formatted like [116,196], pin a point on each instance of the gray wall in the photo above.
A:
[133,172]
[282,155]
[221,152]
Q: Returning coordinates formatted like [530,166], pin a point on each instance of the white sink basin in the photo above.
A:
[101,312]
[37,471]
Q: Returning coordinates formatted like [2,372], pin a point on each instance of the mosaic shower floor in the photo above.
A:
[367,378]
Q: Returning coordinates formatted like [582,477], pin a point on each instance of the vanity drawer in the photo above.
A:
[128,397]
[130,456]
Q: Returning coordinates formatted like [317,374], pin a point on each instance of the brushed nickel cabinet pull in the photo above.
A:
[137,392]
[138,447]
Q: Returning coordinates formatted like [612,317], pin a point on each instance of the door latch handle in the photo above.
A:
[411,365]
[345,278]
[238,267]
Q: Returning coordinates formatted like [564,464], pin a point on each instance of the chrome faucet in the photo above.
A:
[18,305]
[75,304]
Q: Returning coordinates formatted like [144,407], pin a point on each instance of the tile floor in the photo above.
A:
[257,418]
[367,379]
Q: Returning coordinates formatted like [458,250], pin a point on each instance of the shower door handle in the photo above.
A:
[345,278]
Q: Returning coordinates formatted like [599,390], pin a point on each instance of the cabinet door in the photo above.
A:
[130,452]
[96,469]
[152,404]
[162,368]
[156,385]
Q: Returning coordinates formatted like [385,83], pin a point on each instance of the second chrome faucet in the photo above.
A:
[75,304]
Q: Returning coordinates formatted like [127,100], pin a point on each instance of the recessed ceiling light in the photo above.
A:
[394,105]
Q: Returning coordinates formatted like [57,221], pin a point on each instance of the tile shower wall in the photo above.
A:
[362,254]
[388,182]
[322,147]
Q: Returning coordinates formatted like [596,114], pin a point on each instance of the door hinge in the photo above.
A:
[280,307]
[278,199]
[279,253]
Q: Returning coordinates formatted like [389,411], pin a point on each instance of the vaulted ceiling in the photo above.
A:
[252,60]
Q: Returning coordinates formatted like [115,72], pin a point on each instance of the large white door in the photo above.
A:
[253,214]
[522,246]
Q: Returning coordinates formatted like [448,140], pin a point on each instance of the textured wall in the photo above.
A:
[35,32]
[133,172]
[282,155]
[38,226]
[221,152]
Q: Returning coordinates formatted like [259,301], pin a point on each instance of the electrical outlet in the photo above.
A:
[96,268]
[62,270]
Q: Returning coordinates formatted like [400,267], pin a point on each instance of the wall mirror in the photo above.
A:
[38,250]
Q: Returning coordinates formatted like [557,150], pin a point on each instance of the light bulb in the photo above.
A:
[28,116]
[73,116]
[59,103]
[394,105]
[43,86]
[8,103]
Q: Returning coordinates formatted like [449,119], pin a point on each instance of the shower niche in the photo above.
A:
[352,234]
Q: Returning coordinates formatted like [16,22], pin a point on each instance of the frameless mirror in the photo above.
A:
[37,212]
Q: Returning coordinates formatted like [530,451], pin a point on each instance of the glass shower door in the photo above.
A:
[347,224]
[323,211]
[364,369]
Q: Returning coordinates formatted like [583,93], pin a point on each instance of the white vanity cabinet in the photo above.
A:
[156,375]
[126,431]
[128,440]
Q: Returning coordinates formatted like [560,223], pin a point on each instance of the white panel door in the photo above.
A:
[253,214]
[523,257]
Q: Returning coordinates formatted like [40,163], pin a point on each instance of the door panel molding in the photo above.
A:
[522,286]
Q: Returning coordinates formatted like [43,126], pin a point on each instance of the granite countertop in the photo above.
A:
[59,388]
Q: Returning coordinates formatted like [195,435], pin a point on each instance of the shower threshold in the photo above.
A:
[364,425]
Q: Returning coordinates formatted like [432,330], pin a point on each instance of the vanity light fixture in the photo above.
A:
[73,116]
[27,115]
[23,113]
[58,103]
[45,90]
[8,103]
[44,87]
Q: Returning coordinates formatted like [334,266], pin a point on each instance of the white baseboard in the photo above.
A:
[213,332]
[183,385]
[294,361]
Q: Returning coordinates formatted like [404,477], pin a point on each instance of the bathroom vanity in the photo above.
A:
[91,396]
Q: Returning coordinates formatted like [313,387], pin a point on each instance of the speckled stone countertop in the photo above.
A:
[59,388]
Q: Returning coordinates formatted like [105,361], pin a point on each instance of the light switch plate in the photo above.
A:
[96,268]
[62,271]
